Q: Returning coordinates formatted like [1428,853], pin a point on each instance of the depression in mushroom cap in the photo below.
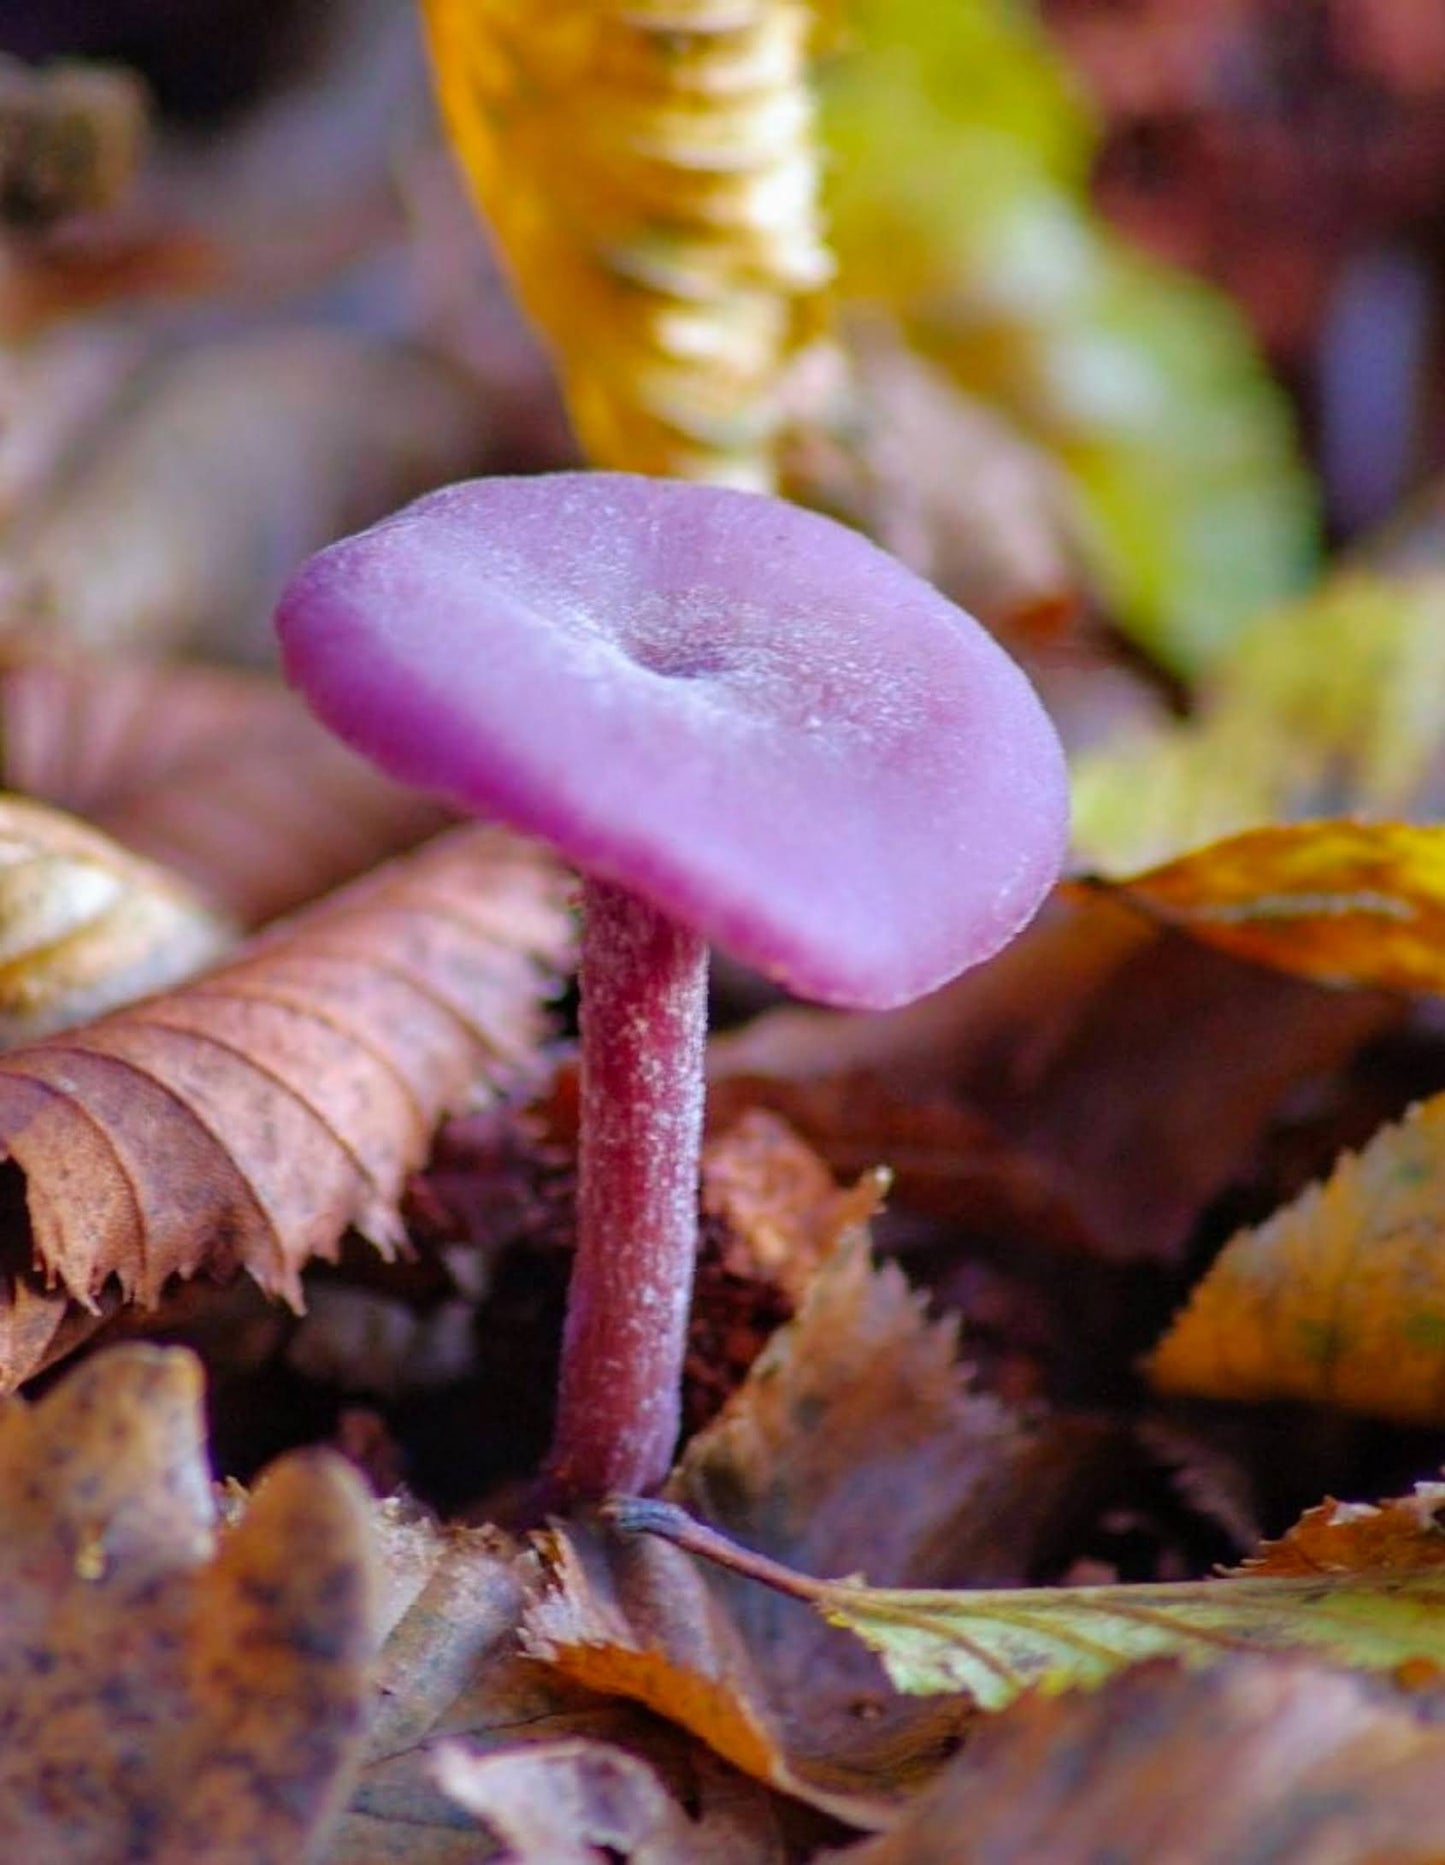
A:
[742,711]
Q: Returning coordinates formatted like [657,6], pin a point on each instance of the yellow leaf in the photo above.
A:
[1335,704]
[1340,1297]
[1335,902]
[85,926]
[959,197]
[651,175]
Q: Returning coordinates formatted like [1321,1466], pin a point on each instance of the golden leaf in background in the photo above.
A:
[1334,705]
[1339,1297]
[1347,903]
[650,172]
[85,925]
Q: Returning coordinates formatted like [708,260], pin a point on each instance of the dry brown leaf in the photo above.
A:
[1339,1297]
[165,1697]
[85,926]
[452,1667]
[586,1803]
[219,773]
[244,1121]
[1403,1534]
[1137,1067]
[218,470]
[1251,1759]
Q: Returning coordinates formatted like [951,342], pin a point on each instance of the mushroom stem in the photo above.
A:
[644,1019]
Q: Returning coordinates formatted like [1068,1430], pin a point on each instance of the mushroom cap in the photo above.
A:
[744,712]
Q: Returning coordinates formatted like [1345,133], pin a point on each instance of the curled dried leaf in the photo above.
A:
[246,1120]
[651,174]
[208,1690]
[85,926]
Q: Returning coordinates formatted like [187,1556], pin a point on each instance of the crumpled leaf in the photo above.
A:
[178,517]
[452,1667]
[651,174]
[168,1693]
[219,773]
[1339,1297]
[1341,902]
[584,1803]
[246,1120]
[1332,706]
[1253,1759]
[959,198]
[85,926]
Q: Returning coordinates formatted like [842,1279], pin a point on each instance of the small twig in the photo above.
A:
[642,1515]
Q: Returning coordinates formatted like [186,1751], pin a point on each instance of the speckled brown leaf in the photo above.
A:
[452,1667]
[244,1121]
[70,141]
[1253,1759]
[219,773]
[85,925]
[170,1693]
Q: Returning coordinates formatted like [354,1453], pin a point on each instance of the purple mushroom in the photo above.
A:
[745,725]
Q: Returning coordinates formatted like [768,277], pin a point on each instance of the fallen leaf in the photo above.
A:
[244,1121]
[85,926]
[1401,1535]
[651,176]
[1253,1759]
[583,1803]
[221,466]
[169,1692]
[219,773]
[1339,902]
[452,1667]
[1332,706]
[996,1643]
[1138,1068]
[1339,1297]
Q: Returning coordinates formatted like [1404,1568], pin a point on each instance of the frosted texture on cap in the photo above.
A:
[742,711]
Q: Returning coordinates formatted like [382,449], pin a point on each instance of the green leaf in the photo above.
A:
[995,1645]
[959,197]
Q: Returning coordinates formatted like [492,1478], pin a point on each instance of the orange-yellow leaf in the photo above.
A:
[159,1677]
[1398,1536]
[651,174]
[1340,1297]
[85,925]
[1340,902]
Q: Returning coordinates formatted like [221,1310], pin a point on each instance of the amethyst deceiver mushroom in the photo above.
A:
[745,725]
